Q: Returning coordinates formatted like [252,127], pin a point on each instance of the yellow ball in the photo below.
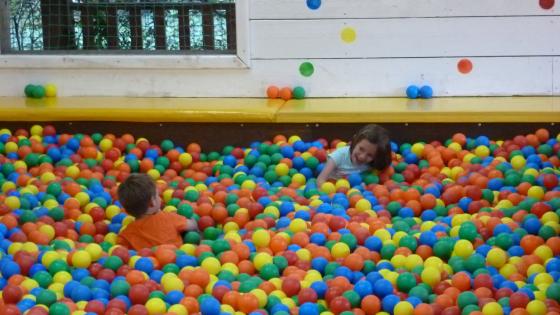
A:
[94,250]
[299,179]
[417,149]
[518,162]
[282,169]
[81,259]
[262,259]
[178,309]
[482,151]
[293,139]
[172,284]
[112,211]
[48,258]
[155,306]
[50,90]
[463,248]
[543,278]
[12,202]
[342,183]
[261,238]
[72,171]
[340,250]
[544,252]
[36,130]
[492,308]
[455,146]
[212,265]
[105,145]
[248,184]
[363,205]
[10,147]
[328,187]
[62,277]
[431,276]
[403,308]
[496,257]
[536,307]
[185,159]
[47,177]
[536,192]
[298,225]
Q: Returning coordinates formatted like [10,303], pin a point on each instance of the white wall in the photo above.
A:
[513,45]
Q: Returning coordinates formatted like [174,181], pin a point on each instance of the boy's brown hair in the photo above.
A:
[378,136]
[135,194]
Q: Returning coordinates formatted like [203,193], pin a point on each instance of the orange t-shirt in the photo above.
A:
[151,230]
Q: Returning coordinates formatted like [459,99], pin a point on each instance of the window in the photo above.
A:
[101,28]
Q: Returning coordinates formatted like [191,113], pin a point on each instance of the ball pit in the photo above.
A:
[467,226]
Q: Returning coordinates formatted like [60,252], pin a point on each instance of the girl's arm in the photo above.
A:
[327,170]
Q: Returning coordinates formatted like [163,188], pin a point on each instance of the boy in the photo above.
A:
[152,227]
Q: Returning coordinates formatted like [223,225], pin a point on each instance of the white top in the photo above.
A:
[344,165]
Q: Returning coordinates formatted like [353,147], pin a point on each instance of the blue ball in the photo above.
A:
[9,269]
[81,293]
[320,288]
[363,288]
[309,308]
[388,303]
[412,91]
[313,4]
[426,91]
[144,264]
[382,288]
[210,306]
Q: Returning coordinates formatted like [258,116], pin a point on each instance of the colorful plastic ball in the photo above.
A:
[403,308]
[340,250]
[426,91]
[492,308]
[496,257]
[50,90]
[209,306]
[272,92]
[412,91]
[299,93]
[59,309]
[211,265]
[313,4]
[261,238]
[286,93]
[406,281]
[431,276]
[156,306]
[463,248]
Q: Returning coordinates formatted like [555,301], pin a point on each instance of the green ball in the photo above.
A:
[553,292]
[167,145]
[38,91]
[388,251]
[57,266]
[27,216]
[269,271]
[443,249]
[113,263]
[191,195]
[211,233]
[468,231]
[406,281]
[43,278]
[59,309]
[504,241]
[220,246]
[475,262]
[419,292]
[306,69]
[466,298]
[280,261]
[46,297]
[409,242]
[299,93]
[350,240]
[28,90]
[119,287]
[470,309]
[192,238]
[353,297]
[171,268]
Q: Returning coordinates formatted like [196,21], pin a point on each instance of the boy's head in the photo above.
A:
[379,137]
[138,195]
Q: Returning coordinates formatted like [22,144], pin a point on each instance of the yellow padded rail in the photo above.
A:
[436,110]
[243,110]
[260,110]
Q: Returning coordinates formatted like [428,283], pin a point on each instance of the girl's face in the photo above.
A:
[364,152]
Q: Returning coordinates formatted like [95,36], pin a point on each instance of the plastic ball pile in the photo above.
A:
[469,226]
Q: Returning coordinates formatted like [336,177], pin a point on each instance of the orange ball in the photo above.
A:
[272,91]
[286,93]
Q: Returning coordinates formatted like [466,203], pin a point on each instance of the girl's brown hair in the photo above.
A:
[378,136]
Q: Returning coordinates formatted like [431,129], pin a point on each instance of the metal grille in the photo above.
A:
[127,26]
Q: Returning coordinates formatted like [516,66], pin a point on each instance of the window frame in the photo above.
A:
[240,60]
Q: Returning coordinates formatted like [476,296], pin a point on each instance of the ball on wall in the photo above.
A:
[286,93]
[272,91]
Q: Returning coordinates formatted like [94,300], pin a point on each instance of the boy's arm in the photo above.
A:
[183,224]
[121,240]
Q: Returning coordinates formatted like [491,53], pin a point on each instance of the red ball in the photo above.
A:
[138,310]
[96,307]
[340,304]
[518,300]
[291,286]
[12,294]
[138,294]
[307,295]
[205,222]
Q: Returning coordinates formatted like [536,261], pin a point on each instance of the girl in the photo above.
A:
[370,148]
